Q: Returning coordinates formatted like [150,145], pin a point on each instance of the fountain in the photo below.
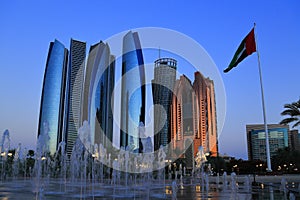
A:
[292,196]
[4,148]
[247,181]
[283,184]
[5,143]
[17,161]
[200,173]
[93,172]
[42,162]
[161,163]
[234,185]
[218,181]
[170,172]
[225,182]
[174,190]
[200,160]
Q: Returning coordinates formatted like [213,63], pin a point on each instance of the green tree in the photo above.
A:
[293,112]
[286,160]
[29,163]
[217,163]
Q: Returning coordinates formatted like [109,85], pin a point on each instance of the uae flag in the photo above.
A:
[246,48]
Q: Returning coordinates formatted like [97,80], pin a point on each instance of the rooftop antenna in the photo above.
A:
[159,52]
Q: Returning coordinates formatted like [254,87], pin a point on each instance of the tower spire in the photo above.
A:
[158,52]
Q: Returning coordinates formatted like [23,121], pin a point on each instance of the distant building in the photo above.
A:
[133,92]
[256,140]
[294,140]
[226,157]
[75,79]
[162,90]
[51,118]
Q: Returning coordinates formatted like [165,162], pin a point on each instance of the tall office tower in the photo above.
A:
[53,95]
[184,119]
[75,79]
[133,92]
[212,134]
[200,88]
[294,140]
[193,116]
[104,114]
[97,107]
[110,101]
[256,140]
[162,90]
[207,123]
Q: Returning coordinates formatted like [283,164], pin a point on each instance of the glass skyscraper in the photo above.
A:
[74,90]
[162,90]
[133,92]
[256,140]
[98,87]
[53,95]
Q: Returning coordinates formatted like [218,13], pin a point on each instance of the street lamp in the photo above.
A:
[260,165]
[279,168]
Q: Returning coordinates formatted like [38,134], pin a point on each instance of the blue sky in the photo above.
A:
[27,27]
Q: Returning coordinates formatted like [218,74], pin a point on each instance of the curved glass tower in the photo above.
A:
[133,92]
[162,89]
[53,94]
[98,87]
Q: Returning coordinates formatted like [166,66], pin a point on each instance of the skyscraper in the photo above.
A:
[193,117]
[212,135]
[75,79]
[207,123]
[256,140]
[184,120]
[53,95]
[200,88]
[98,87]
[294,140]
[162,90]
[133,91]
[108,102]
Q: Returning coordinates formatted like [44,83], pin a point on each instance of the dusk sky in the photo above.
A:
[27,28]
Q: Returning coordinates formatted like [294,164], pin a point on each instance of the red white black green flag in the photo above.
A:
[246,48]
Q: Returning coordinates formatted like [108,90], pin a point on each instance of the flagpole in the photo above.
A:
[264,109]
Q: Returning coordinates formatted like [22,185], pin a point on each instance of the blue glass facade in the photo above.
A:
[278,139]
[53,94]
[133,92]
[99,85]
[91,101]
[106,105]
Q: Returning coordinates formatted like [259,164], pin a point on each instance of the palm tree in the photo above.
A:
[293,111]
